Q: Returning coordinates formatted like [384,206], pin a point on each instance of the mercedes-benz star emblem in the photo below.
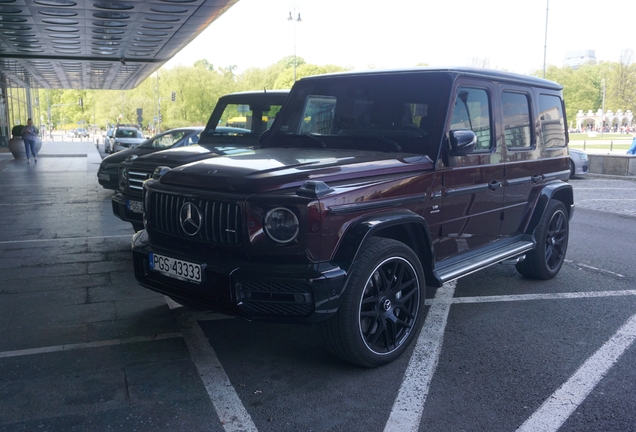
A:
[190,218]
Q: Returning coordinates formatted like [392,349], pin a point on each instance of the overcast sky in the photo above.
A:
[363,34]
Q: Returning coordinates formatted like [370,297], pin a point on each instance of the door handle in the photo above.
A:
[493,185]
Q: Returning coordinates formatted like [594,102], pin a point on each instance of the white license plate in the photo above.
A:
[104,177]
[134,206]
[175,268]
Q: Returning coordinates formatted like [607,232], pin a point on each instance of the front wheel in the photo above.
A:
[382,305]
[552,234]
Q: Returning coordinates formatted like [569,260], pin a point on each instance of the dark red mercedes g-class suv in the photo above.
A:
[368,187]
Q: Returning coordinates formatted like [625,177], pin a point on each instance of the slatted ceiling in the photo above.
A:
[90,44]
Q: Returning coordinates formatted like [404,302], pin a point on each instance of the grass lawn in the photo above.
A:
[606,136]
[608,141]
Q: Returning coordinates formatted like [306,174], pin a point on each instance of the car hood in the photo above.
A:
[121,156]
[276,168]
[184,155]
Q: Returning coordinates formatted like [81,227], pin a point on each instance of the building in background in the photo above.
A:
[576,59]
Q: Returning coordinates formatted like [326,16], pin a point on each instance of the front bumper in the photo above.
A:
[294,293]
[108,178]
[123,210]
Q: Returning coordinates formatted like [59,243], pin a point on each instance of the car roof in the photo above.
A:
[492,74]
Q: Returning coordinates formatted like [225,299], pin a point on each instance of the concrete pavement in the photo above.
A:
[82,345]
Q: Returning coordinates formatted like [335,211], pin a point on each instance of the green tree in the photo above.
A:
[286,78]
[622,76]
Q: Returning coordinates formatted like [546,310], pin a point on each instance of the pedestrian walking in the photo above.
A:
[29,135]
[632,149]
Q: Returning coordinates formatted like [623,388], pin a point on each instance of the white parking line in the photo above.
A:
[85,345]
[408,407]
[409,403]
[229,408]
[562,403]
[594,268]
[555,296]
[64,239]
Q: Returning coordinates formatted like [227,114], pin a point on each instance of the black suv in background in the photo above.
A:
[253,111]
[107,174]
[368,188]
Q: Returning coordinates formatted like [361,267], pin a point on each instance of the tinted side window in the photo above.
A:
[472,111]
[516,119]
[551,120]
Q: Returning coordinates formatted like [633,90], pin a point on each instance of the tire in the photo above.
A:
[552,234]
[137,226]
[572,170]
[376,321]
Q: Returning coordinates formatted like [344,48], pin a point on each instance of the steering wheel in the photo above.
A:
[413,128]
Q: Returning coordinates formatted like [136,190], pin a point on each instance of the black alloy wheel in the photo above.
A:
[382,306]
[552,235]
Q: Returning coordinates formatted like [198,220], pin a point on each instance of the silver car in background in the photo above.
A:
[124,137]
[578,162]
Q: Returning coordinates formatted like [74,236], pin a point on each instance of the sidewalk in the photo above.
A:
[82,345]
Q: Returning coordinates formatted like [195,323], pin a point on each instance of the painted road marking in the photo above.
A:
[65,239]
[589,267]
[563,402]
[229,408]
[96,344]
[408,407]
[554,296]
[409,404]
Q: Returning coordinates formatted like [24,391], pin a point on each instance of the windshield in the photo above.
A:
[171,138]
[387,112]
[242,122]
[128,133]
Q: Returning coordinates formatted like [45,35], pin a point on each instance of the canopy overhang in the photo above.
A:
[84,44]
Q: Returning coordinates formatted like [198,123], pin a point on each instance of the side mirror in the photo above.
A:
[462,141]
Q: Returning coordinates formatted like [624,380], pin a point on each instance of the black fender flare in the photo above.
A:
[560,191]
[403,225]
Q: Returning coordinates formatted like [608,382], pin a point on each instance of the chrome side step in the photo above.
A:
[511,253]
[513,261]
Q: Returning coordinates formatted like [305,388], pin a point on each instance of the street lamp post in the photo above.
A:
[545,41]
[291,18]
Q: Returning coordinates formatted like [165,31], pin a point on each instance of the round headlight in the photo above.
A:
[123,178]
[281,225]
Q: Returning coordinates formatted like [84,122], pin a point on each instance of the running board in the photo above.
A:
[513,261]
[457,269]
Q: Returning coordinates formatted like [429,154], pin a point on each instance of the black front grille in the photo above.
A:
[220,221]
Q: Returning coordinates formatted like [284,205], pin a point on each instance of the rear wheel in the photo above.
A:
[381,308]
[552,234]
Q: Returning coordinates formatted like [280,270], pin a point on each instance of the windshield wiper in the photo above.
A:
[314,138]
